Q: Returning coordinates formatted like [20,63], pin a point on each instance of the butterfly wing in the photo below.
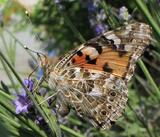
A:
[114,52]
[93,78]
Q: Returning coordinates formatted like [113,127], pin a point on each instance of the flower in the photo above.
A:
[39,120]
[101,16]
[123,14]
[96,17]
[91,7]
[29,84]
[100,28]
[22,102]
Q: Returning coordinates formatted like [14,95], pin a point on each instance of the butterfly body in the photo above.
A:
[93,78]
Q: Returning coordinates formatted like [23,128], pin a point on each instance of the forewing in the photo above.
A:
[114,52]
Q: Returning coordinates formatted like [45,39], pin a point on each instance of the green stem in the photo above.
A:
[149,77]
[4,43]
[9,75]
[76,134]
[6,95]
[146,87]
[11,121]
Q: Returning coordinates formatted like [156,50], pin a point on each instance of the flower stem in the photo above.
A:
[149,77]
[76,134]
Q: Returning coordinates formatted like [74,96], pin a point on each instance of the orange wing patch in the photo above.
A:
[108,61]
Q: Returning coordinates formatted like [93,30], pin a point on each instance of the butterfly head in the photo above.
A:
[45,62]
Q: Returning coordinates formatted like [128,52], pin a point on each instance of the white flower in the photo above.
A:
[123,14]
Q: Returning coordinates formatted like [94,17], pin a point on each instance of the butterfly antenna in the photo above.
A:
[38,53]
[30,21]
[36,36]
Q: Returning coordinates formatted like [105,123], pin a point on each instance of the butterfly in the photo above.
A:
[93,78]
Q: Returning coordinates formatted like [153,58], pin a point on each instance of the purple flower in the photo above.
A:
[91,7]
[22,102]
[29,84]
[96,17]
[39,120]
[100,28]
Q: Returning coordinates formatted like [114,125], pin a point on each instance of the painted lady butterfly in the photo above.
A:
[93,78]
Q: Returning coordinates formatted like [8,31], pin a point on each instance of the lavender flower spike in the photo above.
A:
[22,103]
[123,14]
[100,28]
[29,84]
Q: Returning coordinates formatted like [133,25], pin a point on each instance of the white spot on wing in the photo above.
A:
[95,76]
[114,38]
[92,52]
[77,73]
[95,92]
